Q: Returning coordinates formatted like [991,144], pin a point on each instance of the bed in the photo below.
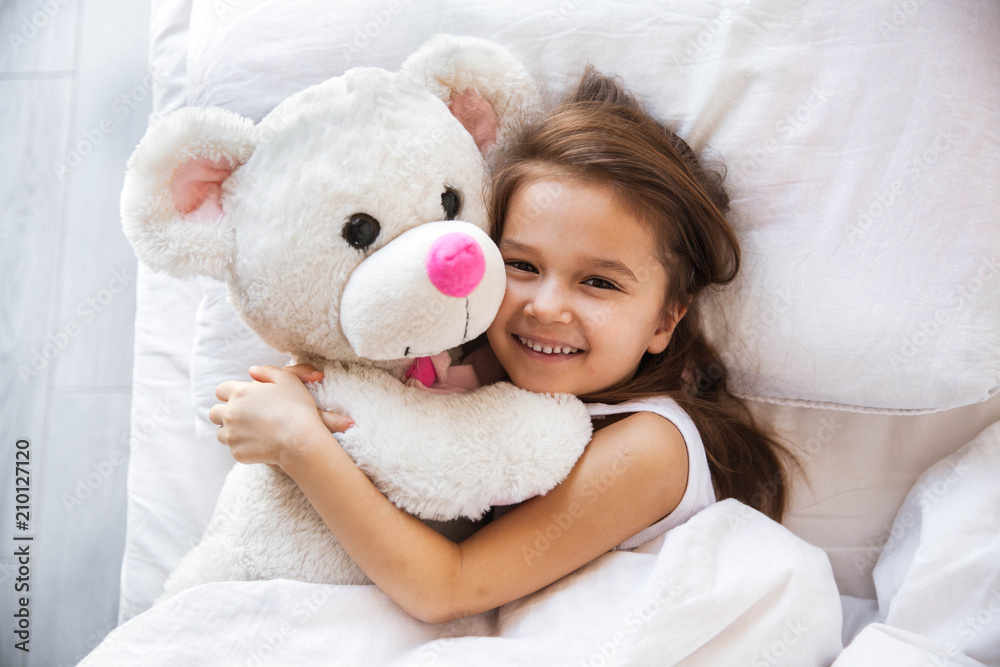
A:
[863,158]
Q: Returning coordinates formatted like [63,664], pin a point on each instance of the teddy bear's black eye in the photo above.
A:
[361,230]
[451,203]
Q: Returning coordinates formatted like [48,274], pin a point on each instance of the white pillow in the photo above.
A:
[861,148]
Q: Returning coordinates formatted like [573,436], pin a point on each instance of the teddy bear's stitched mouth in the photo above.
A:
[465,333]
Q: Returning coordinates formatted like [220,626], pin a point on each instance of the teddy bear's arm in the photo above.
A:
[440,456]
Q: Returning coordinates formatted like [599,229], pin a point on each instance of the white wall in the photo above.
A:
[73,91]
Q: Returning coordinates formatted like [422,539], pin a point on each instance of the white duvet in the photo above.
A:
[728,587]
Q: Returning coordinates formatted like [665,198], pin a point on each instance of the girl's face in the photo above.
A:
[585,290]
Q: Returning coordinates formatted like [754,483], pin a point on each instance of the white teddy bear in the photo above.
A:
[349,227]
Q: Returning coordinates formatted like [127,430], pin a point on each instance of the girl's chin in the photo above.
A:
[546,385]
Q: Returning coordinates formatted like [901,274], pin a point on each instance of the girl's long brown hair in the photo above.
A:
[602,135]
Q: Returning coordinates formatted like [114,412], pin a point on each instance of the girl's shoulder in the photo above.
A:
[664,406]
[642,421]
[645,452]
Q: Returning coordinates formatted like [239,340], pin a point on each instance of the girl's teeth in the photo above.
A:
[545,349]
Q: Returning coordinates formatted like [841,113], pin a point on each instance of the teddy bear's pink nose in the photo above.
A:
[455,264]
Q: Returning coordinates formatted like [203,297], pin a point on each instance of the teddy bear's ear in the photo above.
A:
[174,199]
[485,87]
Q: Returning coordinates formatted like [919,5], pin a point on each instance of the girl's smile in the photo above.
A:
[547,348]
[585,289]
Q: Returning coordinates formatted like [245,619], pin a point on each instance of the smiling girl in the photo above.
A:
[609,227]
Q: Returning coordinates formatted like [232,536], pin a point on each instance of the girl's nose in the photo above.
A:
[455,264]
[549,305]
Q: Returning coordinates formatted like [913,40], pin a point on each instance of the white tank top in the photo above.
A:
[699,493]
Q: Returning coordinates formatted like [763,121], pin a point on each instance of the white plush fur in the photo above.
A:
[161,236]
[446,64]
[383,144]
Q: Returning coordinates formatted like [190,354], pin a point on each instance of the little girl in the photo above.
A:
[609,228]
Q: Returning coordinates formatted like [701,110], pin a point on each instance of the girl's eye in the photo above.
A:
[600,283]
[521,266]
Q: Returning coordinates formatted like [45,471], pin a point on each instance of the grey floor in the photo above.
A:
[74,100]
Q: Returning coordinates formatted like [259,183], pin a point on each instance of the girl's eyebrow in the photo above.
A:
[507,244]
[610,265]
[613,266]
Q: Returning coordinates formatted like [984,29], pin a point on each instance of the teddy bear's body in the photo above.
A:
[349,226]
[264,527]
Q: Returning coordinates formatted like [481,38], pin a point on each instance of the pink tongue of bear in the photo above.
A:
[422,370]
[436,374]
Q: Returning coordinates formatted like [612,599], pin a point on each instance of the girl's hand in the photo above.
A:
[274,419]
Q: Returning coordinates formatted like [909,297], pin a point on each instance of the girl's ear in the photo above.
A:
[175,194]
[658,343]
[484,86]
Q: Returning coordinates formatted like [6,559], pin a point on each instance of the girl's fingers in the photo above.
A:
[336,423]
[284,376]
[225,390]
[215,413]
[268,373]
[305,372]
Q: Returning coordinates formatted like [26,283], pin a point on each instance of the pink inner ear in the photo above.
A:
[477,116]
[196,189]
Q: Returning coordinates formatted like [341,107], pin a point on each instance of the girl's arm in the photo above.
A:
[633,473]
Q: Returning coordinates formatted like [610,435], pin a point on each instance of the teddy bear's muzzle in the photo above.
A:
[430,289]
